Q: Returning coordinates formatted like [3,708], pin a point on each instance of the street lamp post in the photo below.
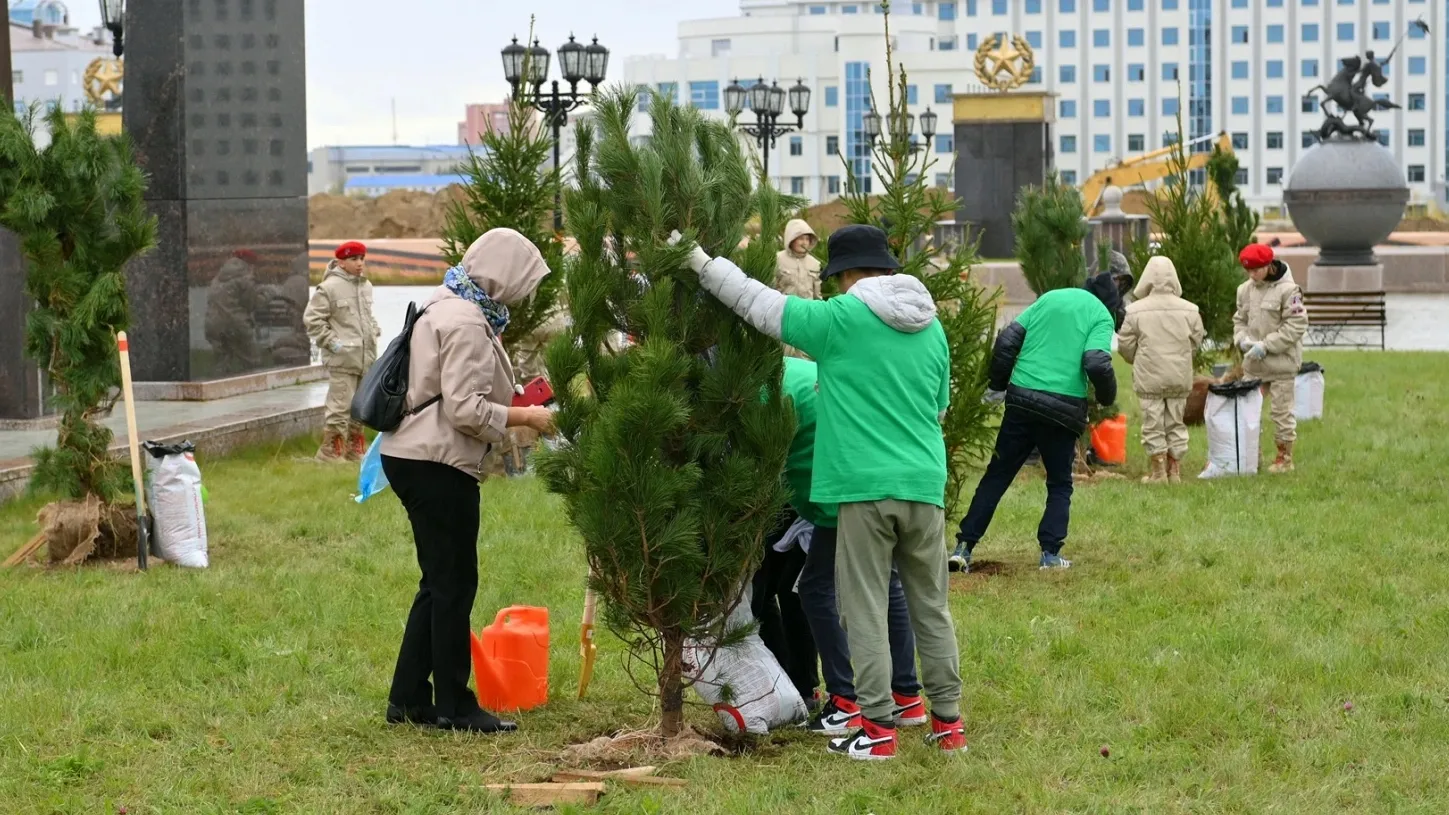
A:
[7,80]
[900,126]
[113,18]
[767,102]
[529,66]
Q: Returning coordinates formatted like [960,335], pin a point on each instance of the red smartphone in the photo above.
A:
[535,394]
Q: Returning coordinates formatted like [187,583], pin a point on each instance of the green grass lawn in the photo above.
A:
[1211,635]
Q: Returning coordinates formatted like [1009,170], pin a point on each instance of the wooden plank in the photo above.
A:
[548,794]
[24,552]
[628,780]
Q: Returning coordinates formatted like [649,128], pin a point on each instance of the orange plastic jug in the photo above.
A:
[510,660]
[1109,440]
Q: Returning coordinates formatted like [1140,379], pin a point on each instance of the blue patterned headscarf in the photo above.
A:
[459,283]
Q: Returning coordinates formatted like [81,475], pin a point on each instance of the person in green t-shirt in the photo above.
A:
[885,378]
[1040,367]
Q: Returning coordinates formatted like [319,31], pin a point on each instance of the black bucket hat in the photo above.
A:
[859,246]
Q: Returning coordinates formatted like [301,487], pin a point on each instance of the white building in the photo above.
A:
[373,170]
[1244,67]
[49,56]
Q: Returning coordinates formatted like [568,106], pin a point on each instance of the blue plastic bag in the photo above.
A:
[371,480]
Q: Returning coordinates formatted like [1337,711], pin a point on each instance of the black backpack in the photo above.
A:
[380,399]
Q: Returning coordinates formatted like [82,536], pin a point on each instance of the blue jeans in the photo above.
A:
[817,598]
[1020,434]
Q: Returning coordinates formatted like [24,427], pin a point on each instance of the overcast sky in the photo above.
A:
[435,56]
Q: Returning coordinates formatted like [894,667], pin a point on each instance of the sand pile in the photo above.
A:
[398,214]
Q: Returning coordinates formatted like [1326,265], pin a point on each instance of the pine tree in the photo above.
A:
[673,442]
[511,184]
[908,209]
[77,206]
[1050,230]
[1239,221]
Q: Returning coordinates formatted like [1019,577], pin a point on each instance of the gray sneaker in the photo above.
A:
[1050,561]
[960,560]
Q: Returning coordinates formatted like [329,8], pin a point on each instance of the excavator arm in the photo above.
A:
[1153,165]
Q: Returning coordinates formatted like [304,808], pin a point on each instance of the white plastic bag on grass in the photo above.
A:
[174,493]
[1233,416]
[748,689]
[1308,392]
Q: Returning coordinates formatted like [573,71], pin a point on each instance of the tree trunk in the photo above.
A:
[671,685]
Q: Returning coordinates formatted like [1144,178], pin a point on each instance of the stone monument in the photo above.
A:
[1003,142]
[216,103]
[1117,229]
[1347,193]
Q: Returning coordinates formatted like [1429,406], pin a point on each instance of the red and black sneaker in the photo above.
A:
[872,742]
[837,717]
[910,710]
[948,737]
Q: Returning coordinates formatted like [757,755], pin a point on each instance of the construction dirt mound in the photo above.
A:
[398,214]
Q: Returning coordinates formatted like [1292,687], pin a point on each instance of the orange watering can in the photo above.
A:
[510,660]
[1109,440]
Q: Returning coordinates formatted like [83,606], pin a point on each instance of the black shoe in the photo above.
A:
[422,716]
[480,722]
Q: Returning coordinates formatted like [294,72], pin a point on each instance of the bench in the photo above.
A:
[1331,315]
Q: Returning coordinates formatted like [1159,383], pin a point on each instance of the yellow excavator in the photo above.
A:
[1150,166]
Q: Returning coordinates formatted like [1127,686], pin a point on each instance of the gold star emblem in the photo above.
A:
[103,80]
[1003,64]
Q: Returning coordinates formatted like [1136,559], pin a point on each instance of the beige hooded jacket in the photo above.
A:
[797,275]
[1160,333]
[1272,312]
[456,354]
[340,320]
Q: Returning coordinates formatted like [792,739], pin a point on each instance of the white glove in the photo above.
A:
[697,259]
[335,346]
[1247,345]
[1257,352]
[993,397]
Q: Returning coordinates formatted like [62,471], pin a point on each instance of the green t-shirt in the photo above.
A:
[881,395]
[1061,326]
[799,384]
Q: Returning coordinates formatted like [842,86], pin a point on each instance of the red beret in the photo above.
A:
[245,254]
[351,249]
[1255,256]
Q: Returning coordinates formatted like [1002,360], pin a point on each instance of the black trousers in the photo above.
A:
[1021,433]
[776,606]
[442,504]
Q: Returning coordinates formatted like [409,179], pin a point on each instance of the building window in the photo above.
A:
[1067,6]
[998,6]
[945,143]
[797,146]
[817,10]
[1067,109]
[1136,72]
[1134,5]
[1241,179]
[1169,107]
[943,180]
[668,90]
[1101,73]
[1067,74]
[1169,5]
[1345,32]
[1275,140]
[1275,33]
[719,48]
[1101,5]
[1275,104]
[52,78]
[1417,101]
[797,185]
[1381,31]
[943,94]
[1384,137]
[1136,107]
[911,95]
[971,41]
[1275,175]
[832,184]
[1169,71]
[1136,142]
[947,43]
[1069,177]
[18,77]
[704,95]
[1240,3]
[1102,108]
[1418,66]
[1310,104]
[1416,137]
[1169,36]
[1275,3]
[1101,38]
[1136,37]
[1310,138]
[1416,33]
[1240,69]
[1416,173]
[1310,68]
[1069,144]
[1240,33]
[946,11]
[1067,39]
[1101,143]
[1310,32]
[1033,38]
[1240,141]
[1274,68]
[1240,106]
[832,145]
[856,10]
[1033,6]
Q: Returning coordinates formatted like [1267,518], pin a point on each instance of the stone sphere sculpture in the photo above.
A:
[1346,195]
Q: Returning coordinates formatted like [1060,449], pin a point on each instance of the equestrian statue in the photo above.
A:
[1348,91]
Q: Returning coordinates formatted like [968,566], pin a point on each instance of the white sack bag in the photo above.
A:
[1233,416]
[744,683]
[173,490]
[1308,392]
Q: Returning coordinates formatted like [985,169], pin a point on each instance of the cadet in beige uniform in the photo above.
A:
[339,319]
[797,272]
[1268,327]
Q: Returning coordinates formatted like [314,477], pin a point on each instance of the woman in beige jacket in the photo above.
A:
[434,461]
[1158,337]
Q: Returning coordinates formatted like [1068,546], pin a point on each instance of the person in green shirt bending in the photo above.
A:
[1040,367]
[885,377]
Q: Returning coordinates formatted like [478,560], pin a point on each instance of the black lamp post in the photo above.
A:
[113,18]
[767,102]
[523,66]
[900,126]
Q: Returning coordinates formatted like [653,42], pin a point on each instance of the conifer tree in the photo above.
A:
[672,442]
[1239,221]
[909,209]
[77,206]
[1050,230]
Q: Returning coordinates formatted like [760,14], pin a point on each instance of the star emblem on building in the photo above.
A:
[1004,63]
[103,80]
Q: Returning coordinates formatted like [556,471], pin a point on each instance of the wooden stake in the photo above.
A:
[626,777]
[548,795]
[588,650]
[143,536]
[24,552]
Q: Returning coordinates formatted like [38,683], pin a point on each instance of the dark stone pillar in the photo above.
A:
[22,390]
[216,103]
[1003,143]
